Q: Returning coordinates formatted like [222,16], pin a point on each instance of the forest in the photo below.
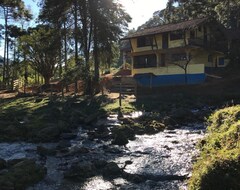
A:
[81,136]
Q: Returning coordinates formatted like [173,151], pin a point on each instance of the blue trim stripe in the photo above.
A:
[164,80]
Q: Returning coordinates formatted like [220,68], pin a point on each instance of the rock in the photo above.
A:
[21,175]
[175,142]
[135,178]
[76,117]
[3,164]
[68,136]
[81,171]
[127,162]
[93,117]
[63,144]
[120,114]
[102,129]
[38,100]
[96,135]
[127,121]
[168,121]
[151,183]
[99,164]
[14,162]
[111,170]
[150,129]
[6,185]
[78,150]
[3,171]
[120,139]
[182,115]
[48,134]
[112,150]
[42,151]
[153,127]
[12,132]
[170,127]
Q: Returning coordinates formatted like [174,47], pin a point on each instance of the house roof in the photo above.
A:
[167,28]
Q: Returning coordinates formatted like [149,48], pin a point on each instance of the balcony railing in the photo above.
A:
[196,42]
[213,45]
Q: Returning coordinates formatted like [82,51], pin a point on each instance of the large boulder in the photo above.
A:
[154,127]
[112,170]
[120,139]
[21,175]
[182,115]
[81,171]
[49,133]
[3,164]
[94,117]
[42,151]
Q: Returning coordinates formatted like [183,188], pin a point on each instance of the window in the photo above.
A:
[145,61]
[221,61]
[144,41]
[179,57]
[176,35]
[210,58]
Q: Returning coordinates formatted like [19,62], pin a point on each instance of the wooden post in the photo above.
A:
[120,94]
[51,89]
[62,88]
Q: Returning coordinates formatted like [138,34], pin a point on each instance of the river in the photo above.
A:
[168,153]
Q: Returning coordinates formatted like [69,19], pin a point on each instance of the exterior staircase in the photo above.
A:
[124,85]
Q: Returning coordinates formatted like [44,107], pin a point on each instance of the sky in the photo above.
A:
[139,10]
[142,10]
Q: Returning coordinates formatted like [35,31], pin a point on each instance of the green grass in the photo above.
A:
[44,119]
[219,164]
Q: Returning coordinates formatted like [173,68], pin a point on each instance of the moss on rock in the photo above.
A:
[21,175]
[219,164]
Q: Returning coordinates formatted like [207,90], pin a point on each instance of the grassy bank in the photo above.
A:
[219,164]
[44,119]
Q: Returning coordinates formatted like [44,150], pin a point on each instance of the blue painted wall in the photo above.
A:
[164,80]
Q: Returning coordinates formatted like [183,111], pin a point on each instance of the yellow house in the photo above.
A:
[176,53]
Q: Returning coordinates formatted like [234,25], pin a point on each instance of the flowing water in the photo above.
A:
[164,154]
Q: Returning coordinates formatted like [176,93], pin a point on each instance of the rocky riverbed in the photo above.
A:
[84,160]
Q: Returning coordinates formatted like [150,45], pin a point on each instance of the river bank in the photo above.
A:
[150,149]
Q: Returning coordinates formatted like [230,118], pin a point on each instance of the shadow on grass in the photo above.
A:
[41,119]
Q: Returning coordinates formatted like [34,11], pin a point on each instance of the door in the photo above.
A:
[165,40]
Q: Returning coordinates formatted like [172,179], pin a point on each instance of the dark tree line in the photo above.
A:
[86,27]
[85,30]
[227,12]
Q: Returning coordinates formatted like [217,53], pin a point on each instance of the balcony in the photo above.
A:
[220,46]
[196,42]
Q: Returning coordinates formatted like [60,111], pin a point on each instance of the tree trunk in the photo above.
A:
[65,52]
[76,40]
[96,56]
[46,79]
[5,44]
[60,63]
